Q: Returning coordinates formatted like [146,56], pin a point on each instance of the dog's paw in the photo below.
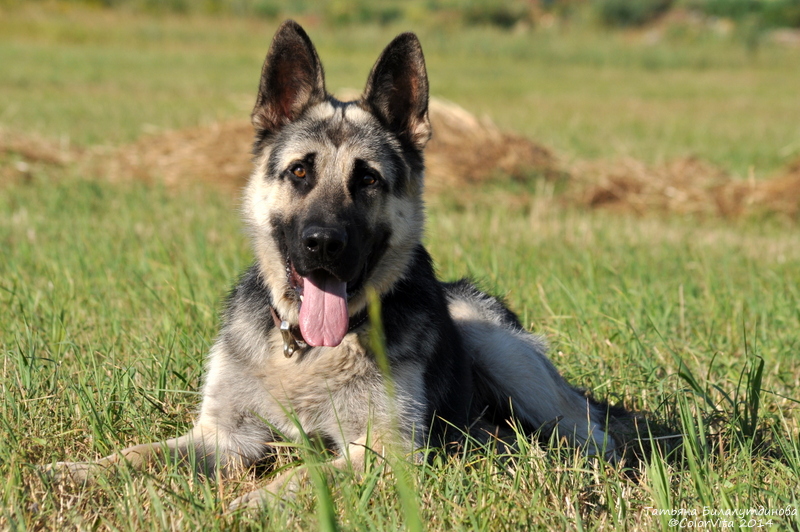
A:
[253,500]
[275,494]
[76,473]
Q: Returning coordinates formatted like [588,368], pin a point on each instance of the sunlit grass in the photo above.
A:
[111,296]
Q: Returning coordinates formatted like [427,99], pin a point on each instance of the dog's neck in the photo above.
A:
[293,340]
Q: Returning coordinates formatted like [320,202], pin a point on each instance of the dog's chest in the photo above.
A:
[328,389]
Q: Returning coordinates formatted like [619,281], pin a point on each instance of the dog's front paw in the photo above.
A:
[253,500]
[72,472]
[282,489]
[276,494]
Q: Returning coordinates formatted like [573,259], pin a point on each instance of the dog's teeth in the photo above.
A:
[301,298]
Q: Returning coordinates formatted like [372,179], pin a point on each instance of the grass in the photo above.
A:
[111,292]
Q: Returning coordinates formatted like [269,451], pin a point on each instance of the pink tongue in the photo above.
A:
[323,312]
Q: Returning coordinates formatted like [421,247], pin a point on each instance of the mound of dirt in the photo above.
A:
[462,150]
[468,150]
[218,154]
[687,186]
[23,155]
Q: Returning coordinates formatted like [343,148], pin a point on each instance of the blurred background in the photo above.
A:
[618,102]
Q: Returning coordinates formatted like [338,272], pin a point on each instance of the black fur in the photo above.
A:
[419,329]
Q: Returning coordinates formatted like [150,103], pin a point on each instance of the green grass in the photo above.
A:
[110,293]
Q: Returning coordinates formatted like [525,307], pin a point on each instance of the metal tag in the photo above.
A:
[289,343]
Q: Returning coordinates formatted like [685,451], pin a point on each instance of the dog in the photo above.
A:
[335,212]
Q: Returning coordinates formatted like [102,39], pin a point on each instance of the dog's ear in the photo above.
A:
[397,90]
[291,79]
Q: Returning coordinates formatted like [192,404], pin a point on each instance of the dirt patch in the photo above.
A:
[686,186]
[218,154]
[23,156]
[465,151]
[468,150]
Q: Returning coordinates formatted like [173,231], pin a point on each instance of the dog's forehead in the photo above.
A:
[342,128]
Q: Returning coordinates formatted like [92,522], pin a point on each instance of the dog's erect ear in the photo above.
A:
[397,90]
[291,79]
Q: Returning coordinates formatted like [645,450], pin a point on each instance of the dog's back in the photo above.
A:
[513,379]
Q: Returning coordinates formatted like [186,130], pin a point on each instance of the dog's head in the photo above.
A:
[334,203]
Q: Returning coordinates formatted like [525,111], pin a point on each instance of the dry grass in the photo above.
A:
[686,186]
[465,151]
[219,154]
[25,154]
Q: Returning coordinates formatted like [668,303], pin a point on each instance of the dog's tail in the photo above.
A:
[513,377]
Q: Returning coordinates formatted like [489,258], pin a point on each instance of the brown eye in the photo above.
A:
[368,179]
[299,171]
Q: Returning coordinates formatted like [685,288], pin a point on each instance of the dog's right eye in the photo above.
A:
[299,171]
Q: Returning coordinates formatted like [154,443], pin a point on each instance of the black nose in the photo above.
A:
[325,243]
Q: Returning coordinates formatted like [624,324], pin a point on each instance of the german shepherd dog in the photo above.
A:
[335,211]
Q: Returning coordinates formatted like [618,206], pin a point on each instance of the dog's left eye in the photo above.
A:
[368,179]
[364,175]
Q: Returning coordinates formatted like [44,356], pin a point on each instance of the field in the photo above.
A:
[111,288]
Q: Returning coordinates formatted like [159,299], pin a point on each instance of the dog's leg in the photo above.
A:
[203,448]
[138,457]
[515,370]
[286,484]
[512,370]
[229,434]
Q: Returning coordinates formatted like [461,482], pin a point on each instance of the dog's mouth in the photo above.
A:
[324,319]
